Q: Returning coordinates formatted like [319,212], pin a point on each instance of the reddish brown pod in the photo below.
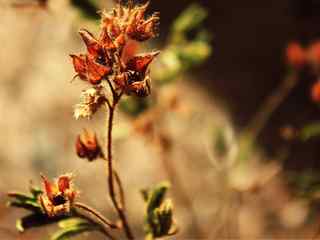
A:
[87,145]
[139,28]
[314,54]
[315,92]
[295,55]
[58,197]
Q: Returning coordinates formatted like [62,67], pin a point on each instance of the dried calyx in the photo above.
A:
[106,59]
[58,197]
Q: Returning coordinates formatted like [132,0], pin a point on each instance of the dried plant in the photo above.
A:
[111,71]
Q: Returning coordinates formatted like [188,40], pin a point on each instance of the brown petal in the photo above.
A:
[79,64]
[96,71]
[64,183]
[47,186]
[140,63]
[92,44]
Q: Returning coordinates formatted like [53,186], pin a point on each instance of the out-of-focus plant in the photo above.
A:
[188,45]
[159,220]
[110,73]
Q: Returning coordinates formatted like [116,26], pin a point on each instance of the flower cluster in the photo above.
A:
[299,56]
[106,59]
[58,197]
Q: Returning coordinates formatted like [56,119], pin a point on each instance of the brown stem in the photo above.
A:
[271,103]
[119,183]
[118,207]
[94,220]
[95,213]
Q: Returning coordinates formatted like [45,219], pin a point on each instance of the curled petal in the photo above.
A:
[141,62]
[64,182]
[96,71]
[92,44]
[79,64]
[48,187]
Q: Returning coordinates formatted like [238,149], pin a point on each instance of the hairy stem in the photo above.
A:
[119,208]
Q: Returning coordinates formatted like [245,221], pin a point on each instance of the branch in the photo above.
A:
[110,171]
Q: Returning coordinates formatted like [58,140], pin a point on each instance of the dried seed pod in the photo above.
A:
[87,146]
[139,28]
[58,197]
[315,92]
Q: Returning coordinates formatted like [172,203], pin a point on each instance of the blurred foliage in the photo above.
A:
[306,183]
[188,45]
[71,227]
[309,131]
[158,213]
[88,8]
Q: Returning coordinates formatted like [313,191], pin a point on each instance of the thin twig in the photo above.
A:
[94,221]
[118,207]
[271,103]
[96,214]
[119,183]
[121,191]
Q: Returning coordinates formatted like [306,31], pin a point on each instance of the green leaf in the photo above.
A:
[21,196]
[71,222]
[156,196]
[134,106]
[220,142]
[310,130]
[36,220]
[164,215]
[68,232]
[189,19]
[35,191]
[28,205]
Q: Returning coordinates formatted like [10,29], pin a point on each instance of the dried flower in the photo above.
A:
[87,145]
[315,92]
[90,101]
[107,57]
[139,28]
[135,79]
[57,198]
[296,56]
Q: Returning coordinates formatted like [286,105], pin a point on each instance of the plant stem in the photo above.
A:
[94,220]
[96,214]
[271,103]
[118,207]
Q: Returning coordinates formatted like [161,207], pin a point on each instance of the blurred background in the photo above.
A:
[238,167]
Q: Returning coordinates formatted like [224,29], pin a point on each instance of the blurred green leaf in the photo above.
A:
[134,105]
[88,8]
[220,142]
[156,196]
[310,130]
[164,216]
[189,19]
[158,215]
[71,222]
[66,233]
